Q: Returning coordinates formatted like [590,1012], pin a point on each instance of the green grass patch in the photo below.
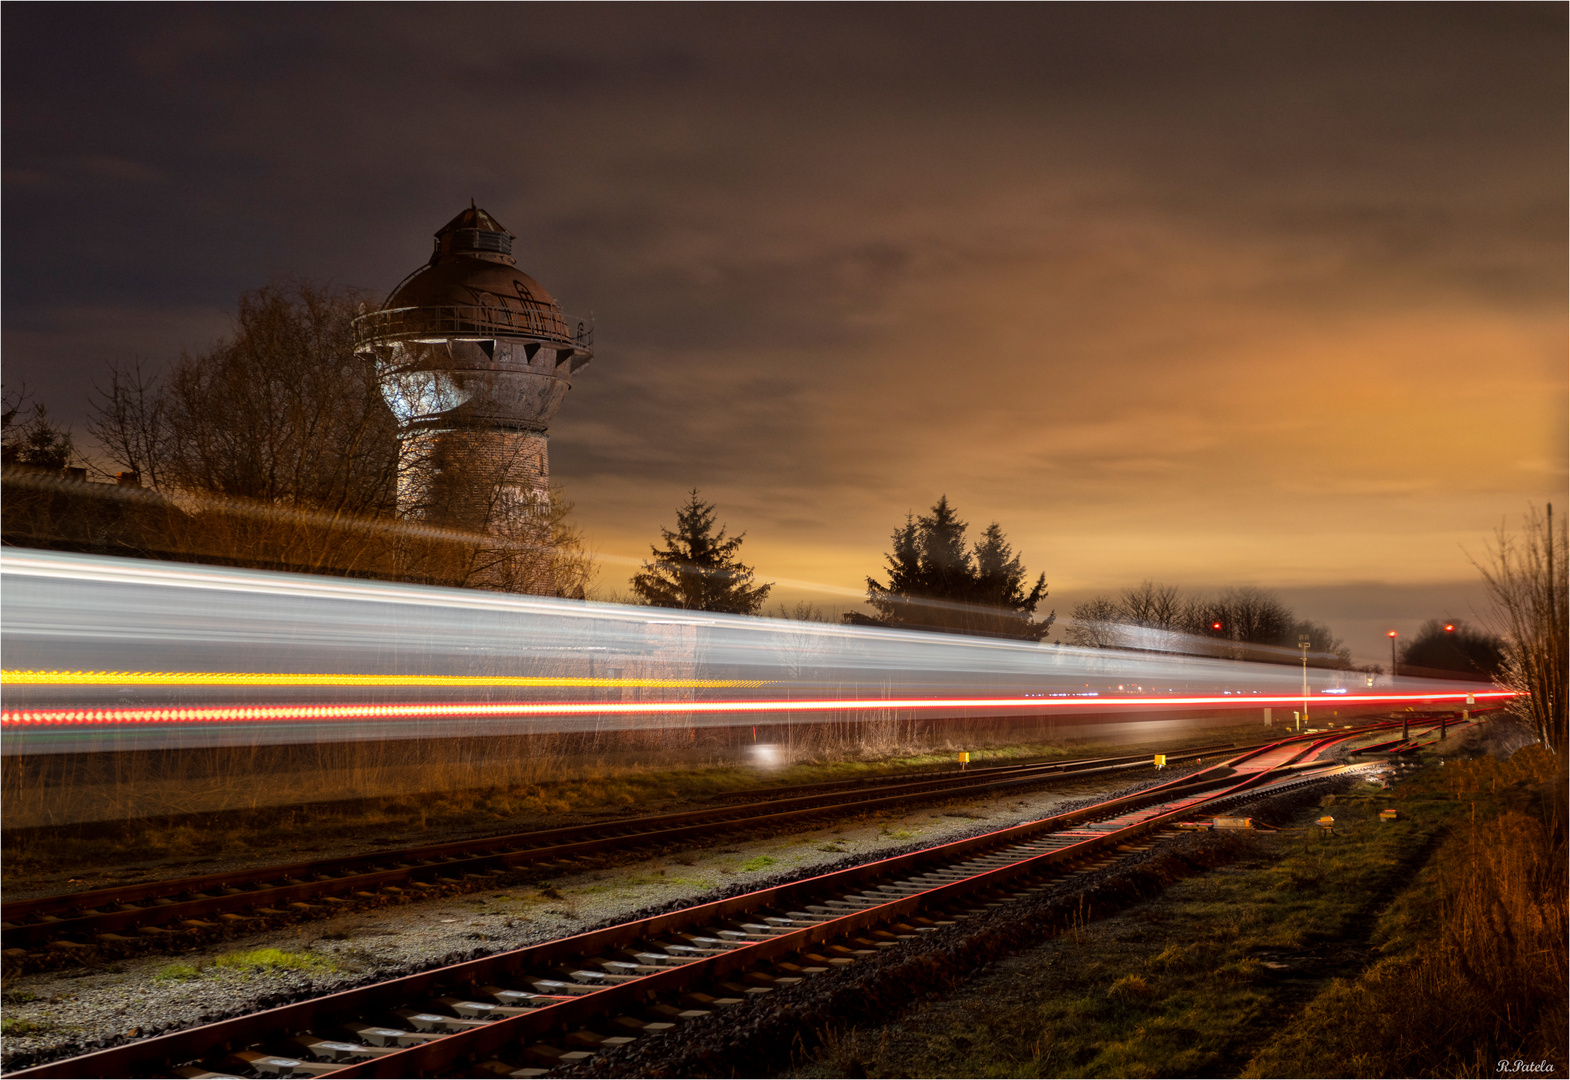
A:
[273,960]
[177,973]
[16,1026]
[757,862]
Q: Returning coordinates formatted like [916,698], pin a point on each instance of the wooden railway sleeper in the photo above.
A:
[277,1064]
[706,945]
[813,917]
[468,1009]
[335,1049]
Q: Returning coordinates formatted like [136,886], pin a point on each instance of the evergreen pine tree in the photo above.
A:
[937,582]
[698,569]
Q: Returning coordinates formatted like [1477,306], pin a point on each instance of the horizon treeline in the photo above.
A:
[1244,622]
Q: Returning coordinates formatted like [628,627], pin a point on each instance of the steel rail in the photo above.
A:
[462,1051]
[229,893]
[1180,796]
[950,770]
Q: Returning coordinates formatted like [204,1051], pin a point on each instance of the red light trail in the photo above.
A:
[34,718]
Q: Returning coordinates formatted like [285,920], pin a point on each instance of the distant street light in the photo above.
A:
[1392,658]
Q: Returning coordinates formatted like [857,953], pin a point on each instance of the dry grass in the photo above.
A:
[1475,971]
[1265,966]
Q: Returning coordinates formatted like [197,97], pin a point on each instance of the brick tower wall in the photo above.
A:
[484,480]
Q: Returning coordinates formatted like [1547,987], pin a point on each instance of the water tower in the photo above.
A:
[474,357]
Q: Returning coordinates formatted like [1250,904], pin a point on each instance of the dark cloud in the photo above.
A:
[1107,259]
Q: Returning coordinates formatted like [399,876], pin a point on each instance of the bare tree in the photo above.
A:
[1095,624]
[1151,605]
[498,529]
[799,649]
[800,611]
[280,444]
[282,415]
[128,422]
[1243,616]
[1525,575]
[285,412]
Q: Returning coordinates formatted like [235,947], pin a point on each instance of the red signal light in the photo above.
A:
[1391,634]
[1215,626]
[1450,628]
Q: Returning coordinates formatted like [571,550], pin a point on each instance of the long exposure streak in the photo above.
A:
[271,678]
[276,713]
[108,654]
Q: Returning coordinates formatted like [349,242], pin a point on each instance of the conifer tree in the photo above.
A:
[34,442]
[698,569]
[938,582]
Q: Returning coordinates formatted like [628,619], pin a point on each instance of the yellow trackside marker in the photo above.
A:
[274,678]
[1161,761]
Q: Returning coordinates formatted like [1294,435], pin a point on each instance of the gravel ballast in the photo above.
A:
[59,1014]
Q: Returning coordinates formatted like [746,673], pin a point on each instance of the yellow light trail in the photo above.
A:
[270,678]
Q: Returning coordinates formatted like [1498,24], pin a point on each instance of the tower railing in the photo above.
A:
[472,320]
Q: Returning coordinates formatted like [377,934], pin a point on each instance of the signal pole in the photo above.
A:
[1303,643]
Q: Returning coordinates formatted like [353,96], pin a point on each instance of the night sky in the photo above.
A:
[1245,294]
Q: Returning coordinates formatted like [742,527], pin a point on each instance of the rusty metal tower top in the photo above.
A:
[469,340]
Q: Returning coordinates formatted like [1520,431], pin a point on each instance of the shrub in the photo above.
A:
[1129,989]
[1488,981]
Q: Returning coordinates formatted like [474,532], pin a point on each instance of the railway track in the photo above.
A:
[526,1012]
[144,916]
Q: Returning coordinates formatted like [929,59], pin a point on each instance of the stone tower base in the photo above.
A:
[486,481]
